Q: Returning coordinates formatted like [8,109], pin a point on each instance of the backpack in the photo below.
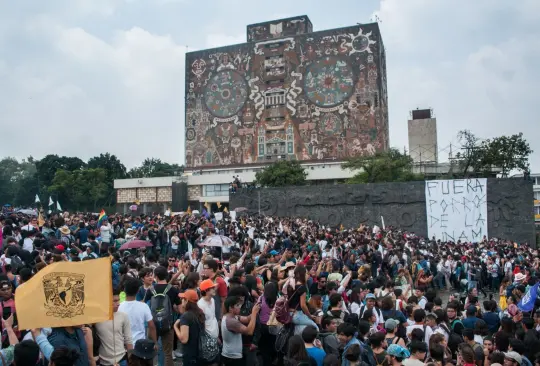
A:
[161,308]
[16,263]
[208,346]
[281,309]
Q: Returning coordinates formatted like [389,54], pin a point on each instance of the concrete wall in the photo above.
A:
[510,208]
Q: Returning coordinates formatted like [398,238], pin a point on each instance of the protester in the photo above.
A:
[347,294]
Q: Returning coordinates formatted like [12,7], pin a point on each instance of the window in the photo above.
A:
[213,190]
[537,210]
[537,195]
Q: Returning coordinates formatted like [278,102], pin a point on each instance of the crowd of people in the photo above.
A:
[276,291]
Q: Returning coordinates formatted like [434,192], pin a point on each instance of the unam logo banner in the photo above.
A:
[64,294]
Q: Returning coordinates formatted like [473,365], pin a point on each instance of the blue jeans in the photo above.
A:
[299,318]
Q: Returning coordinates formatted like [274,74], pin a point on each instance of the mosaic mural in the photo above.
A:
[310,96]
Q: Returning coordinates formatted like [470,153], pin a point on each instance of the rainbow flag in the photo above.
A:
[102,216]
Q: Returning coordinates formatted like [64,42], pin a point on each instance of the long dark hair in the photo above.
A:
[270,294]
[297,349]
[196,310]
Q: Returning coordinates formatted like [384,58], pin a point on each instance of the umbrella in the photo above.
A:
[240,209]
[133,207]
[134,244]
[217,241]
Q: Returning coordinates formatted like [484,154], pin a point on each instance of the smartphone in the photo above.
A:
[6,312]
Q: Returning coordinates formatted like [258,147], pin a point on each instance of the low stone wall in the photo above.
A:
[403,205]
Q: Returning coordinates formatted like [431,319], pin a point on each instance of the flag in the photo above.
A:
[102,216]
[37,199]
[527,302]
[341,227]
[40,220]
[65,294]
[225,210]
[189,210]
[51,202]
[58,207]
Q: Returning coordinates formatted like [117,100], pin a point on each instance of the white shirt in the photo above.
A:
[105,233]
[428,331]
[210,323]
[139,314]
[28,244]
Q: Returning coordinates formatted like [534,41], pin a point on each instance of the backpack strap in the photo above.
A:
[167,288]
[153,290]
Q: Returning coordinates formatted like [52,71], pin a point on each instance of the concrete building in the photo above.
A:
[423,137]
[287,93]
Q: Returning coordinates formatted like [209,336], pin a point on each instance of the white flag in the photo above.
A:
[58,206]
[37,199]
[50,201]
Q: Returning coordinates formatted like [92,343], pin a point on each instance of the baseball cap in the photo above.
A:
[371,296]
[391,324]
[206,285]
[274,252]
[60,247]
[513,356]
[189,295]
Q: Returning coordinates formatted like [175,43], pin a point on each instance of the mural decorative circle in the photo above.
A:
[328,81]
[226,93]
[361,43]
[330,124]
[190,134]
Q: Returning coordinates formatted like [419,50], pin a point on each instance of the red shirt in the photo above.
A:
[221,287]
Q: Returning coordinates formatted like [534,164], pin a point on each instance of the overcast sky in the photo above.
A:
[81,77]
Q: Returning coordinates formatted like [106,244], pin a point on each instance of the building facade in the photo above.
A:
[422,130]
[288,93]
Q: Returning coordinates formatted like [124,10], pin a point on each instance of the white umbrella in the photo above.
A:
[217,241]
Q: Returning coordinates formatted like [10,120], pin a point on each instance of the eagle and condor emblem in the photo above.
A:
[64,294]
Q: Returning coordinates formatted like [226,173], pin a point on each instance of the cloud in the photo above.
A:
[462,60]
[89,76]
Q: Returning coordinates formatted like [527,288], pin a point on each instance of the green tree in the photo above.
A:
[479,157]
[18,181]
[386,166]
[9,168]
[507,153]
[282,173]
[114,169]
[83,189]
[47,167]
[152,167]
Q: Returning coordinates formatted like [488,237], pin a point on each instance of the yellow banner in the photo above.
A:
[66,294]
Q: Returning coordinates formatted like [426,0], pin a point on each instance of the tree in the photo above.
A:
[479,157]
[386,166]
[152,167]
[47,167]
[508,153]
[282,173]
[114,169]
[80,189]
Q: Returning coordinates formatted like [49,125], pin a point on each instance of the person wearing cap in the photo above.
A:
[371,300]
[189,326]
[512,358]
[391,326]
[207,304]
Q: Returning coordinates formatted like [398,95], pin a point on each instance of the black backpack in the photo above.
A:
[161,308]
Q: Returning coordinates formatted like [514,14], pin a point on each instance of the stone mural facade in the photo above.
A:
[289,93]
[403,205]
